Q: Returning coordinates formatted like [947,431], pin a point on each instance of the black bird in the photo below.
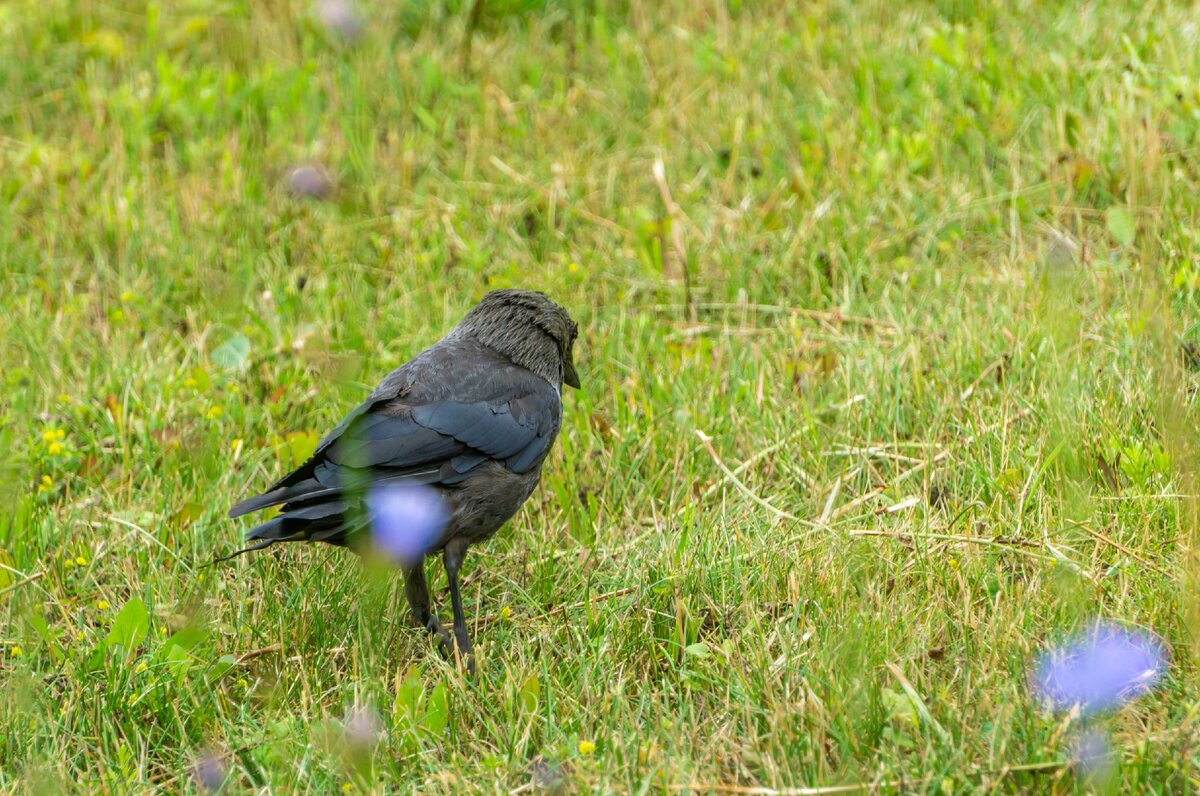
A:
[471,417]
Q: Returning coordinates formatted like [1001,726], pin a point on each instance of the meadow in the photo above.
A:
[890,350]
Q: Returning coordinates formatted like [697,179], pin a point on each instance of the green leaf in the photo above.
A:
[529,693]
[222,665]
[129,626]
[42,628]
[437,715]
[1120,225]
[408,695]
[233,353]
[177,660]
[185,639]
[697,650]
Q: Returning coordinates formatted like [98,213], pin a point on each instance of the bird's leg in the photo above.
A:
[452,557]
[417,592]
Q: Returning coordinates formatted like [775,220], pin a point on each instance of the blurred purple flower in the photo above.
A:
[407,520]
[1106,667]
[362,727]
[309,182]
[209,771]
[341,17]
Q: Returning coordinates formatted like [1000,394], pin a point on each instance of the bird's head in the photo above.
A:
[527,328]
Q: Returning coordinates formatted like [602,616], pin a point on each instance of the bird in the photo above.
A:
[469,421]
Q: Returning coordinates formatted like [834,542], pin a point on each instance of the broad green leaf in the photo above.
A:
[129,626]
[529,693]
[1120,225]
[408,694]
[437,715]
[233,354]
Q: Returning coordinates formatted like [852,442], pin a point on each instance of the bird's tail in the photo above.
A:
[315,522]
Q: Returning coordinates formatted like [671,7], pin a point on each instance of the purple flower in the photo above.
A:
[341,17]
[1104,668]
[407,520]
[362,727]
[209,772]
[309,182]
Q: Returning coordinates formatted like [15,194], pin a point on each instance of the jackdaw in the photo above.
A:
[469,421]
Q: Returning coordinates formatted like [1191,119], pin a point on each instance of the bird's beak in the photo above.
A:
[570,375]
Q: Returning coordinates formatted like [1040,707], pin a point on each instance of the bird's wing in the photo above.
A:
[501,413]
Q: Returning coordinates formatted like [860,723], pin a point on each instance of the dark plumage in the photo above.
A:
[472,417]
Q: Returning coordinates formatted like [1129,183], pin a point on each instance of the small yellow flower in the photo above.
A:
[102,605]
[79,635]
[17,652]
[163,631]
[128,296]
[347,787]
[242,683]
[64,398]
[200,578]
[213,412]
[54,449]
[573,267]
[586,747]
[59,434]
[236,390]
[46,484]
[190,383]
[236,445]
[81,561]
[506,613]
[68,563]
[48,435]
[141,667]
[132,698]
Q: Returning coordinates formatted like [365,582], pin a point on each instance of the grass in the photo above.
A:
[889,343]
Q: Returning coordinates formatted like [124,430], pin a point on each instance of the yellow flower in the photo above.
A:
[506,613]
[128,296]
[133,698]
[102,605]
[48,435]
[572,267]
[17,652]
[190,383]
[236,445]
[47,483]
[213,412]
[242,683]
[54,449]
[347,787]
[59,434]
[586,747]
[81,561]
[141,667]
[79,635]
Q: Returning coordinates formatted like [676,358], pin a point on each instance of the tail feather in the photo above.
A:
[319,522]
[307,490]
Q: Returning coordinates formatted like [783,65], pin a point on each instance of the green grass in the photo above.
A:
[934,258]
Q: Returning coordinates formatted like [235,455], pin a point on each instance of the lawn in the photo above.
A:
[890,349]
